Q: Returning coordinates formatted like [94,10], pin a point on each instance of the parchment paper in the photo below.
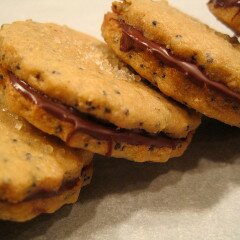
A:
[196,196]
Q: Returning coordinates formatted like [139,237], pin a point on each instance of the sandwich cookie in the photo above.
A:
[38,174]
[184,58]
[72,86]
[227,11]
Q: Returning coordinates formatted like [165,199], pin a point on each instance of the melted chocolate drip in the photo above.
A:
[94,129]
[132,38]
[226,3]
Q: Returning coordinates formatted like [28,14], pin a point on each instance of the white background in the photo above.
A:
[194,197]
[84,15]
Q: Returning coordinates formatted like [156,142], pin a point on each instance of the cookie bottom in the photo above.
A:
[27,210]
[170,81]
[53,126]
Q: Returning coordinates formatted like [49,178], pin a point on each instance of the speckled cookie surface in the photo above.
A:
[192,40]
[32,163]
[83,73]
[228,15]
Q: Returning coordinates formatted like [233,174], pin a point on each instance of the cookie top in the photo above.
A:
[31,162]
[191,41]
[83,73]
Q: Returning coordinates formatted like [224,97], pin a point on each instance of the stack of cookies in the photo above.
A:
[65,95]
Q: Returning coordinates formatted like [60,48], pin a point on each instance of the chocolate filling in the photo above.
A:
[226,3]
[133,38]
[90,126]
[66,186]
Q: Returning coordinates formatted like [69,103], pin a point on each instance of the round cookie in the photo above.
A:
[72,86]
[228,12]
[38,173]
[185,61]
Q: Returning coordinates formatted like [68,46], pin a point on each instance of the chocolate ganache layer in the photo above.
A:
[66,186]
[82,123]
[133,39]
[225,3]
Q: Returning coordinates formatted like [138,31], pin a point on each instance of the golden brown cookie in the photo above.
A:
[38,173]
[189,62]
[227,11]
[72,86]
